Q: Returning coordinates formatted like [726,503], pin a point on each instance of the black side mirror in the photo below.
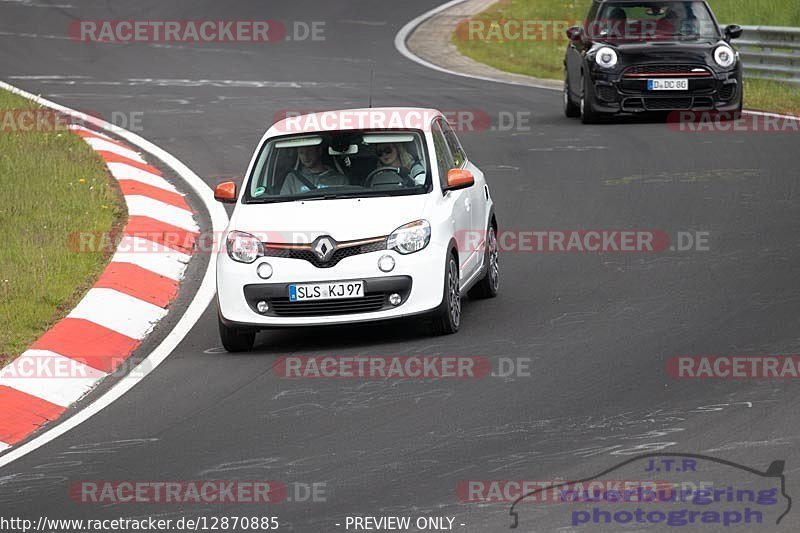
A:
[733,31]
[575,34]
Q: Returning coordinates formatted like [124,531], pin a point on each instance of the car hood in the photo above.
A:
[632,52]
[345,219]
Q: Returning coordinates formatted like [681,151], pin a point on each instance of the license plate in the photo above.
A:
[668,84]
[326,291]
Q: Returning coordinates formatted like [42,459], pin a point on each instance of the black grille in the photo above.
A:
[640,70]
[727,92]
[369,303]
[667,103]
[607,93]
[311,257]
[703,101]
[376,292]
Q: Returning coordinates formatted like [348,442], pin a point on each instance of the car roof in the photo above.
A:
[335,120]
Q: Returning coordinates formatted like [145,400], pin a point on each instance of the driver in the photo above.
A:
[396,156]
[312,174]
[671,22]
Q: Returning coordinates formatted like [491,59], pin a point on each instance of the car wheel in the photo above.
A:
[570,109]
[235,339]
[588,114]
[489,284]
[448,318]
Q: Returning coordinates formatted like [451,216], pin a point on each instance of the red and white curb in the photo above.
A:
[118,312]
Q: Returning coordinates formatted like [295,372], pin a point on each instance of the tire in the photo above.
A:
[571,109]
[588,114]
[448,317]
[489,284]
[236,340]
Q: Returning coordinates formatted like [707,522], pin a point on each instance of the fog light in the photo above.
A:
[264,271]
[386,263]
[262,307]
[395,299]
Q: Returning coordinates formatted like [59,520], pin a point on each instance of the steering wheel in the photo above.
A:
[405,179]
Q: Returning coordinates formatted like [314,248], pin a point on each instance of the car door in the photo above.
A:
[476,205]
[575,53]
[457,202]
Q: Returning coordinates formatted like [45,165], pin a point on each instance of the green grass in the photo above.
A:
[543,58]
[52,185]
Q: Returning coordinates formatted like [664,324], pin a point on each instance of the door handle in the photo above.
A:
[467,204]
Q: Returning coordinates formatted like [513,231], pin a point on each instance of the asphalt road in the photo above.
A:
[598,328]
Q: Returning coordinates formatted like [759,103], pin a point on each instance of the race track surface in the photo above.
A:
[598,328]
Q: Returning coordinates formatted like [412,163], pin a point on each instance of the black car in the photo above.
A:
[634,56]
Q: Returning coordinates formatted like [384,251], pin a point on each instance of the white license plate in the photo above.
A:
[326,291]
[668,84]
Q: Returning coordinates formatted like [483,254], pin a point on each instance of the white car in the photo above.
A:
[355,216]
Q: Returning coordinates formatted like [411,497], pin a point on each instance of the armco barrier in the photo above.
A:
[770,52]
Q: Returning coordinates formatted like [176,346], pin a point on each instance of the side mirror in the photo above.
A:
[459,178]
[225,193]
[575,34]
[733,31]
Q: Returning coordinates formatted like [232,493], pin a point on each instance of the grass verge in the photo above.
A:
[543,57]
[52,185]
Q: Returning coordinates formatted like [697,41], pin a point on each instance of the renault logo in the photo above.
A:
[324,248]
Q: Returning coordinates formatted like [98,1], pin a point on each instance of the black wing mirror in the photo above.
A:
[733,31]
[575,34]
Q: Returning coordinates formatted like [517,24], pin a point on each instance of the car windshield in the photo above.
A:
[340,164]
[646,21]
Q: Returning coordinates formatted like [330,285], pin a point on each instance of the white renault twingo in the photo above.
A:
[355,216]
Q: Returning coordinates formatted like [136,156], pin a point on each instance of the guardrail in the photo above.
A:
[770,52]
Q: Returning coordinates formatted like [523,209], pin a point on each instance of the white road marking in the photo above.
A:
[151,256]
[402,36]
[50,376]
[4,446]
[120,312]
[202,298]
[108,146]
[144,206]
[121,171]
[50,77]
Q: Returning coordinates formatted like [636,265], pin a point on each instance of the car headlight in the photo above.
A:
[243,247]
[724,56]
[606,57]
[410,238]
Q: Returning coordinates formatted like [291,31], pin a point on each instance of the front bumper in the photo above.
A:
[624,92]
[418,278]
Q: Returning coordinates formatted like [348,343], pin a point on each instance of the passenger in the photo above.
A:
[312,174]
[395,155]
[670,24]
